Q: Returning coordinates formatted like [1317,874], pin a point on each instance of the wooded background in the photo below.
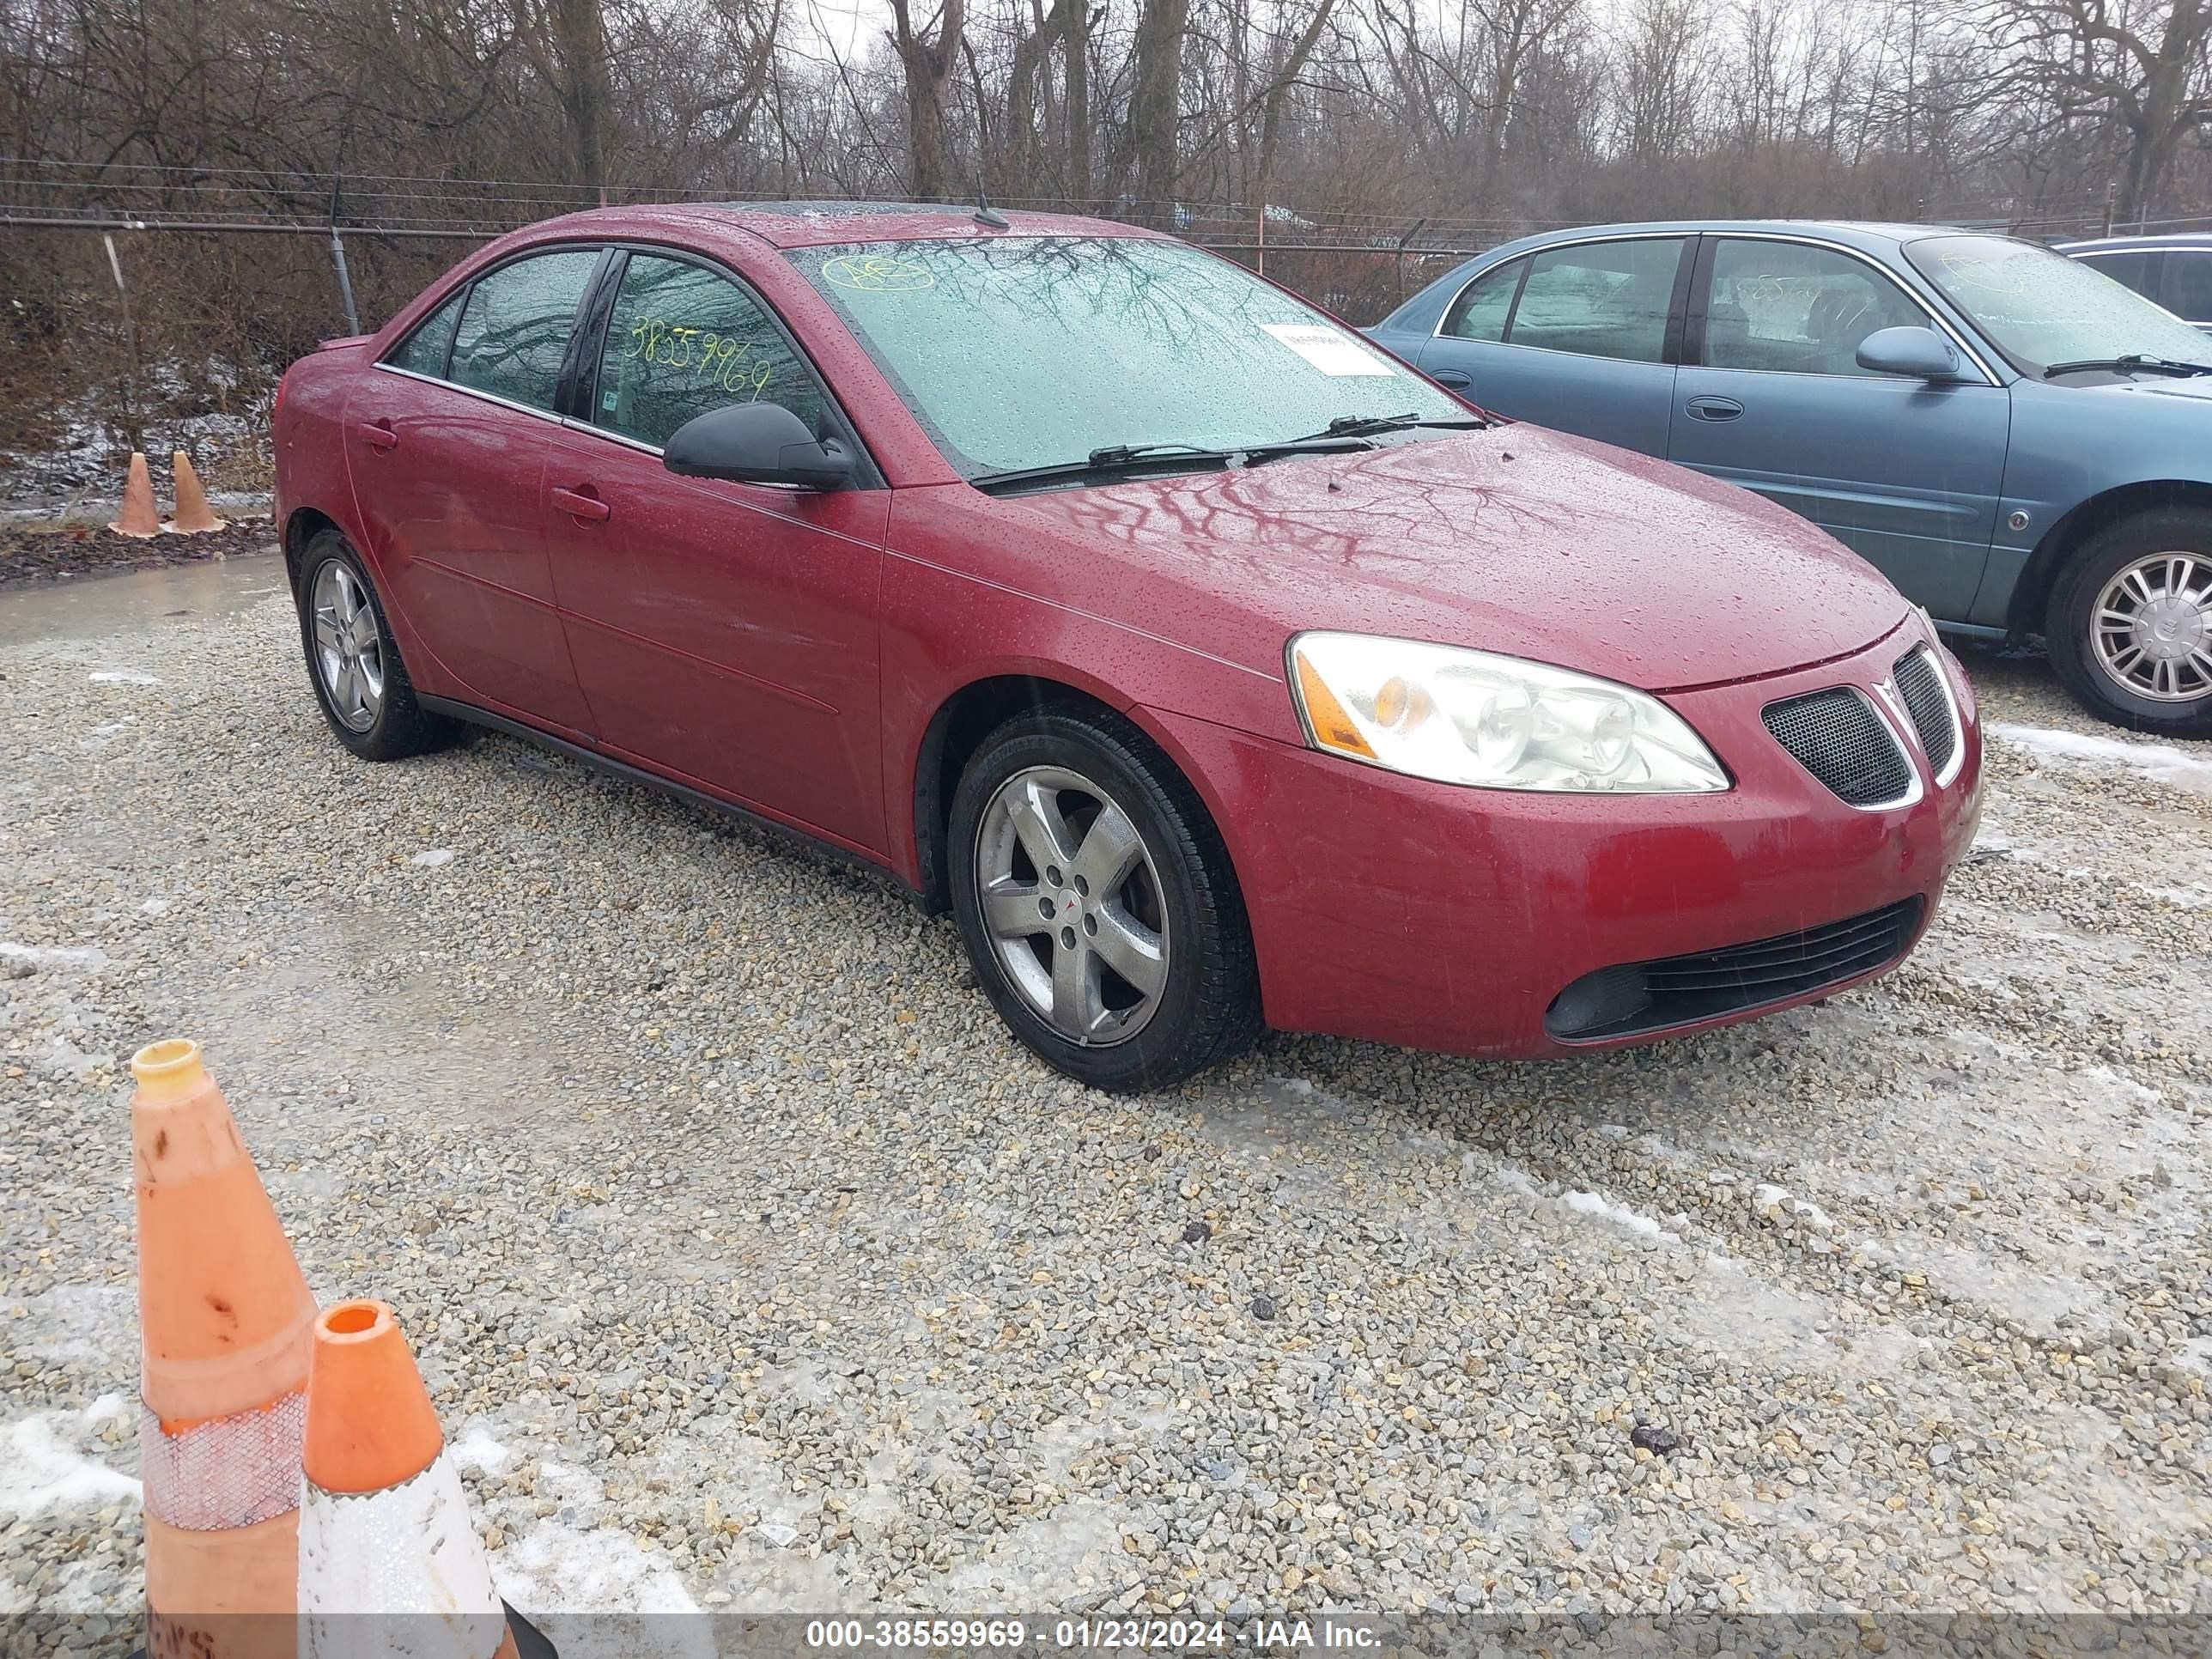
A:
[1339,132]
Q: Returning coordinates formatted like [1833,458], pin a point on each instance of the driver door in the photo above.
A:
[1905,473]
[723,634]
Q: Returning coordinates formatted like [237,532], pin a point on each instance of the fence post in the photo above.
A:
[345,281]
[131,414]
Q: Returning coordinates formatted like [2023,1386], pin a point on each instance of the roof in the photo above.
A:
[816,224]
[2173,238]
[1844,230]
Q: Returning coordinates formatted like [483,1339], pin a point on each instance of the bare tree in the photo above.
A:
[926,55]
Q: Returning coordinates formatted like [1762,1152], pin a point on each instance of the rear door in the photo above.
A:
[722,633]
[444,443]
[2185,285]
[1577,337]
[1906,472]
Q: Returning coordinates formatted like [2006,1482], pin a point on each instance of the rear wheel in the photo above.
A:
[1098,905]
[2129,625]
[353,661]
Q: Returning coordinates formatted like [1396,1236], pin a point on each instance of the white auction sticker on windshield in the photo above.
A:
[1328,350]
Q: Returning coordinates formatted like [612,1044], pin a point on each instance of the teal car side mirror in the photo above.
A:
[1921,352]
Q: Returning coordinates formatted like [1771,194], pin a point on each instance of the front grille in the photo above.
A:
[1837,737]
[1650,996]
[1920,683]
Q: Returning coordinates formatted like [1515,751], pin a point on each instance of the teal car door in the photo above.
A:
[1904,471]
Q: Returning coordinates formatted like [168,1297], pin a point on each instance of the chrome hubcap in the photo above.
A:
[2153,633]
[348,653]
[1072,902]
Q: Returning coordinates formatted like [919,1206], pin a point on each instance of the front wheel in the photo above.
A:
[1097,904]
[2129,624]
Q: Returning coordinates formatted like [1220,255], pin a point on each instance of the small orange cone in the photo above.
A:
[226,1319]
[389,1561]
[139,517]
[194,515]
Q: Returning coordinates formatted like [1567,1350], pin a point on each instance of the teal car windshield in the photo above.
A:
[2042,308]
[1027,351]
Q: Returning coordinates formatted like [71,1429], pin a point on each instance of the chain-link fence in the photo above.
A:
[142,302]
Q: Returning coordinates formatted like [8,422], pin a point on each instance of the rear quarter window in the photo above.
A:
[423,350]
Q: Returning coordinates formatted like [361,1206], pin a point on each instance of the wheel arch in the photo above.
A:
[2031,594]
[957,729]
[303,526]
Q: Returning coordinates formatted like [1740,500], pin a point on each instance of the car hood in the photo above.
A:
[2196,390]
[1514,539]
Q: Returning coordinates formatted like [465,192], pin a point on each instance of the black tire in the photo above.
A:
[401,727]
[1208,1008]
[2070,620]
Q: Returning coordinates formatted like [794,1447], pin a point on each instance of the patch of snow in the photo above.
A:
[476,1450]
[41,1468]
[2196,1354]
[153,907]
[777,1534]
[2124,1088]
[1510,1177]
[1293,1086]
[123,676]
[1598,1205]
[431,857]
[603,1570]
[1767,1196]
[2159,761]
[54,956]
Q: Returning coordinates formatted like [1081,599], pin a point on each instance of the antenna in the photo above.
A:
[985,215]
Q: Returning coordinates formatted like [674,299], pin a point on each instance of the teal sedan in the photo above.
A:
[2018,442]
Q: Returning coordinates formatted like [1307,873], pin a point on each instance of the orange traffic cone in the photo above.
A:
[139,516]
[194,515]
[226,1318]
[389,1562]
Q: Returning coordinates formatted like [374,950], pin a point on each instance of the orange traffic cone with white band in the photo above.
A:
[138,517]
[389,1561]
[226,1318]
[194,515]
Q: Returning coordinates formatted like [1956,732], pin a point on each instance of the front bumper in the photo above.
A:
[1398,910]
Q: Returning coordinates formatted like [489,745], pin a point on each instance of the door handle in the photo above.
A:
[578,504]
[1452,378]
[1713,409]
[378,434]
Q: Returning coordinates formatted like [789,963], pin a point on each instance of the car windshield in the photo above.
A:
[2042,308]
[1027,351]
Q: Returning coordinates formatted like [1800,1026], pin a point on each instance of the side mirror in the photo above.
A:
[1920,353]
[758,444]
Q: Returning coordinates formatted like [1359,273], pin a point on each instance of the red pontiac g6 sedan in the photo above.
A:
[1213,667]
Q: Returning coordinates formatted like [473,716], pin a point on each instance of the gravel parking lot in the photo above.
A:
[753,1264]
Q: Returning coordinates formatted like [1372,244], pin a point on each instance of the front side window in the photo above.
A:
[514,329]
[1600,299]
[1480,311]
[1788,308]
[423,351]
[2042,308]
[682,341]
[1021,351]
[2189,284]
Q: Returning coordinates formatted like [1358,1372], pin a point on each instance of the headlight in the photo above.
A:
[1496,722]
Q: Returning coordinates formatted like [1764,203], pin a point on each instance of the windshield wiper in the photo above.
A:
[1362,426]
[1108,460]
[2127,363]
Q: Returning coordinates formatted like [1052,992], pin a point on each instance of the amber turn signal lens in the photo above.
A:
[1332,726]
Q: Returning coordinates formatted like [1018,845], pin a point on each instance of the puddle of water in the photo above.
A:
[94,607]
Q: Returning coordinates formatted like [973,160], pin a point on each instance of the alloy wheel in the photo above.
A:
[348,649]
[2152,632]
[1072,900]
